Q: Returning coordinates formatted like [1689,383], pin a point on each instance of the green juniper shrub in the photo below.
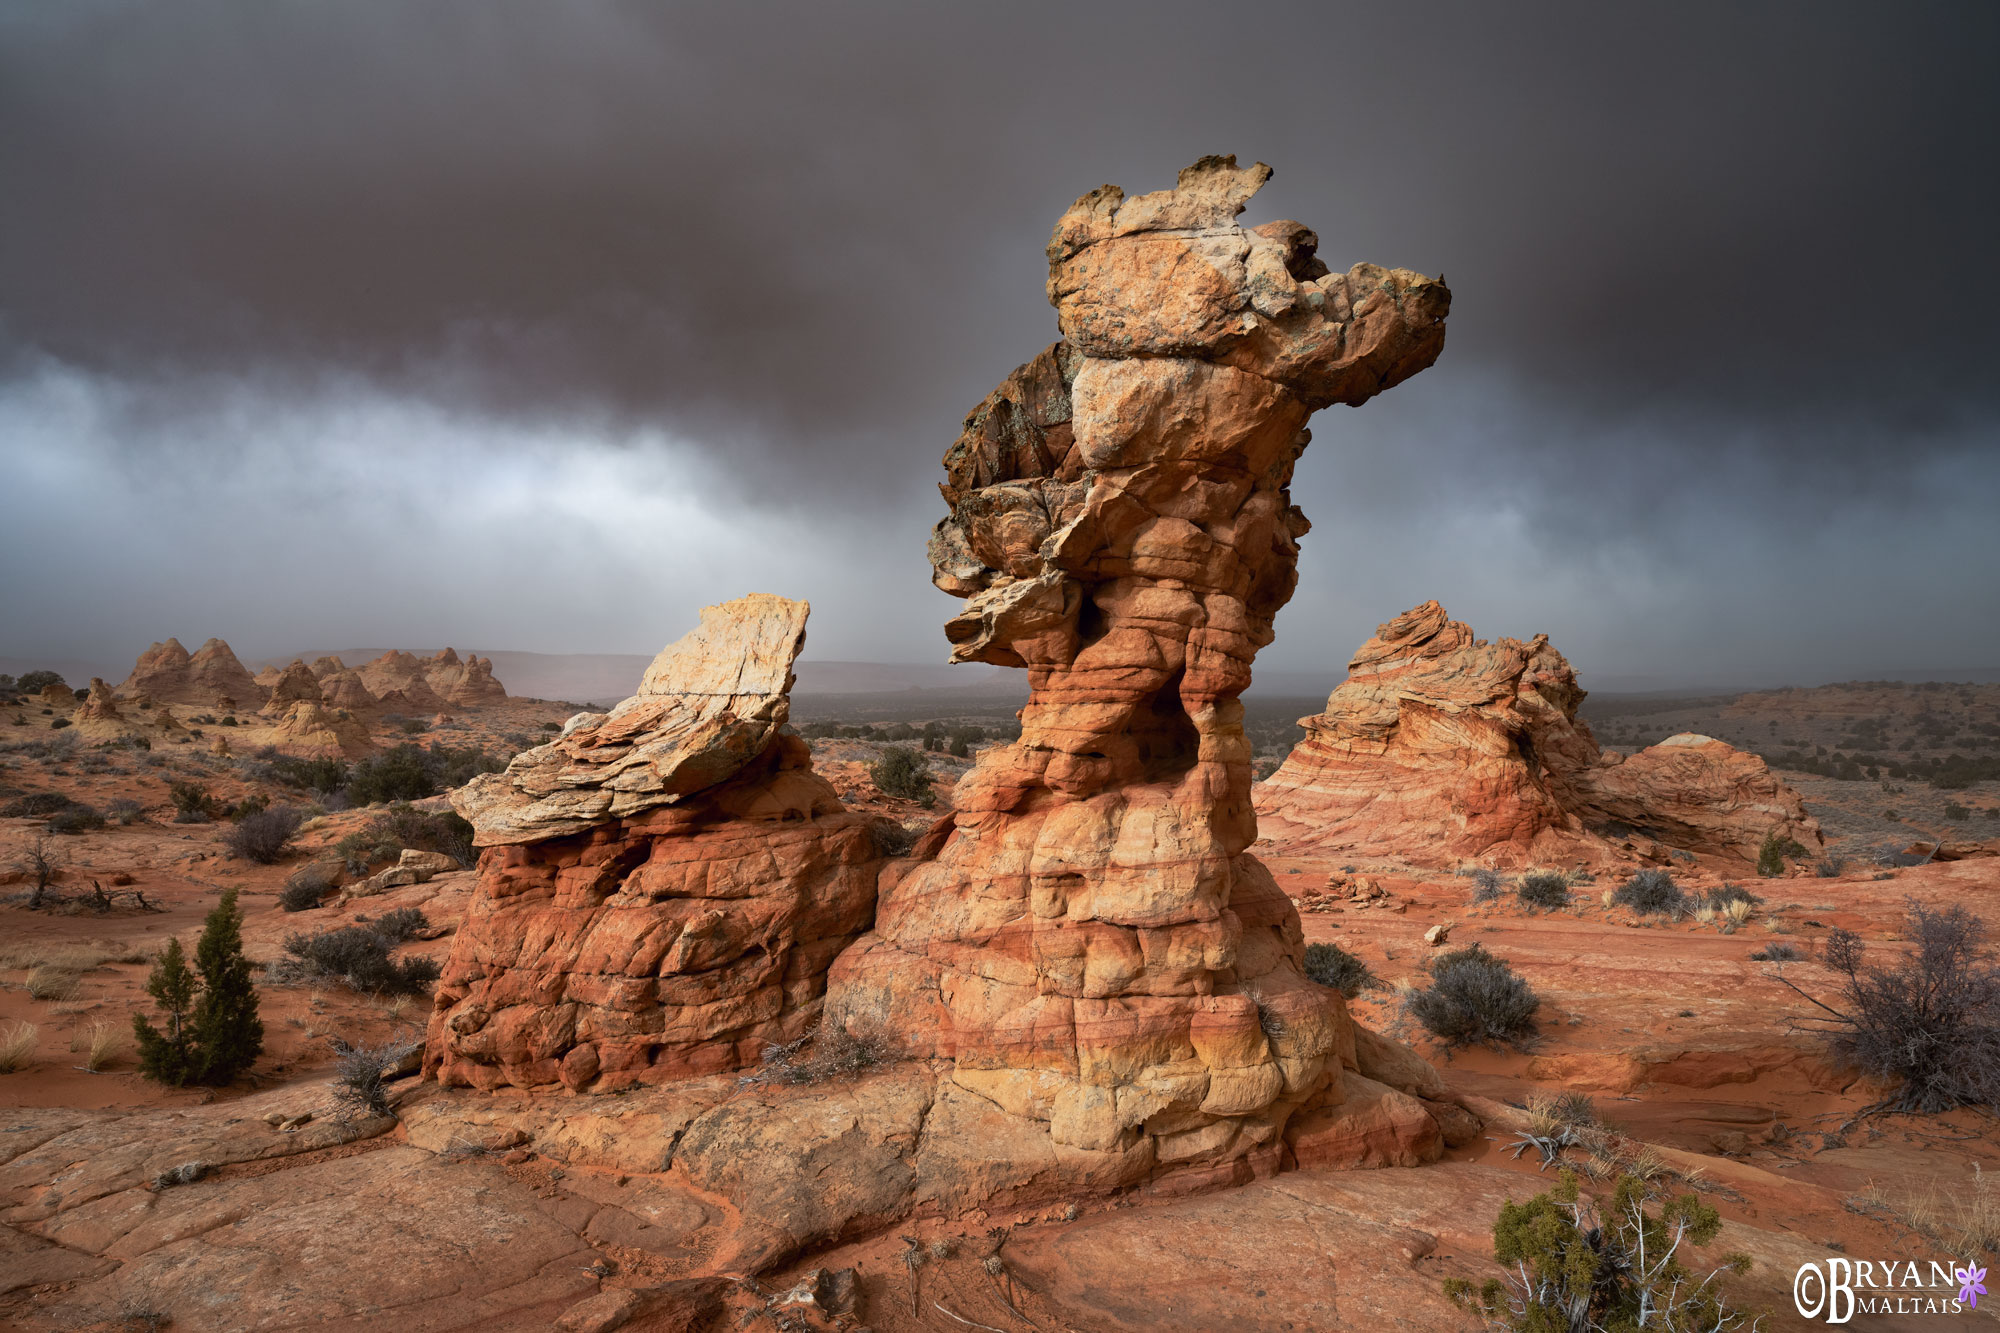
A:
[37,681]
[1474,997]
[1651,893]
[1544,888]
[903,774]
[411,772]
[323,775]
[193,804]
[167,1056]
[1573,1265]
[1333,967]
[227,1031]
[1773,854]
[59,724]
[212,1031]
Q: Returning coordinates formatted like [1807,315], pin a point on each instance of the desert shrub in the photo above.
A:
[184,1174]
[1720,898]
[1651,893]
[1474,996]
[37,681]
[59,724]
[891,838]
[426,830]
[124,811]
[306,886]
[264,836]
[36,805]
[1544,888]
[357,1072]
[1487,886]
[74,819]
[402,923]
[1829,867]
[903,774]
[323,775]
[212,1031]
[822,1056]
[249,805]
[1573,1265]
[359,956]
[1956,812]
[1778,951]
[1930,1022]
[1335,968]
[193,804]
[1773,854]
[411,772]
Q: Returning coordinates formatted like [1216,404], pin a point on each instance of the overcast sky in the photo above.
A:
[520,325]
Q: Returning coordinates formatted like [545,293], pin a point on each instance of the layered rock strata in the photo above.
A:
[663,886]
[1441,749]
[1088,943]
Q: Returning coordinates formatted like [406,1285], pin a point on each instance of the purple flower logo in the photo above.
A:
[1972,1284]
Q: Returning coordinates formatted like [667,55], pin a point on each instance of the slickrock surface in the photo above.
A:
[664,885]
[1441,749]
[211,677]
[1114,982]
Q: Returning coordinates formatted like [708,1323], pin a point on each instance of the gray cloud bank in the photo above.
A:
[540,326]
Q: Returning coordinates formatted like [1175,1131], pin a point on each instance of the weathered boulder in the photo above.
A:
[1440,748]
[1091,947]
[663,886]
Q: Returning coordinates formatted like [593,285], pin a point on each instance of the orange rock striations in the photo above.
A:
[1088,942]
[210,678]
[1440,749]
[664,886]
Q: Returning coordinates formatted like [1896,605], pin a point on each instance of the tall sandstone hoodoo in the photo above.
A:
[664,885]
[1440,749]
[1087,944]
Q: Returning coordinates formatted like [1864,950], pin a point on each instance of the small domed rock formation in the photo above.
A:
[295,684]
[399,682]
[102,717]
[309,727]
[1441,749]
[664,885]
[1088,943]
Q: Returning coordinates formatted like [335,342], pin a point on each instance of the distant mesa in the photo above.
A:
[1441,749]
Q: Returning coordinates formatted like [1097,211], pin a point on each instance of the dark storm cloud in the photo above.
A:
[1714,265]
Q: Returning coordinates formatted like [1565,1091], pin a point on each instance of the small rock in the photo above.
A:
[275,1118]
[516,1157]
[299,1121]
[1438,934]
[601,1313]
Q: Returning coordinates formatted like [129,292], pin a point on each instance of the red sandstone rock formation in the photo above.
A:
[1088,942]
[294,684]
[102,717]
[345,689]
[211,678]
[468,683]
[1440,749]
[310,727]
[399,681]
[664,885]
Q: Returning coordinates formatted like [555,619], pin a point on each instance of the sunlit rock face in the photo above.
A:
[1089,944]
[1440,749]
